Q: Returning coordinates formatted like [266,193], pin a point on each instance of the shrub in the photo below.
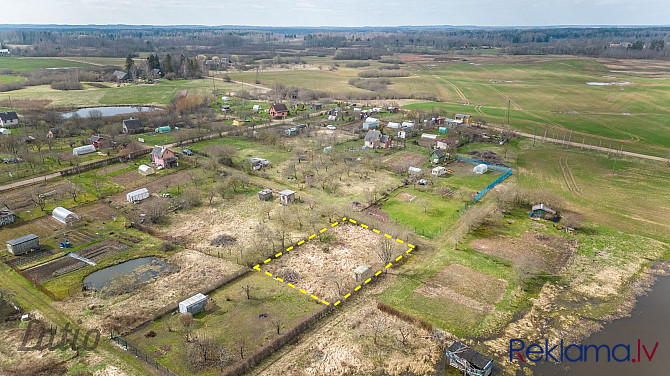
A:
[67,85]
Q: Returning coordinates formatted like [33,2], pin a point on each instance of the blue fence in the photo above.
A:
[507,172]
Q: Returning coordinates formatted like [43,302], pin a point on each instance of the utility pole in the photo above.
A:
[616,156]
[545,135]
[583,140]
[508,103]
[669,158]
[534,133]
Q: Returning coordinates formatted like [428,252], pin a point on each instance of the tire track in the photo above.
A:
[456,89]
[572,178]
[565,176]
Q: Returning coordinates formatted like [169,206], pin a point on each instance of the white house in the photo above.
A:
[5,52]
[9,119]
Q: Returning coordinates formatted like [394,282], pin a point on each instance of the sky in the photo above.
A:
[337,12]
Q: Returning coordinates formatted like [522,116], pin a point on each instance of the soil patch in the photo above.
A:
[533,252]
[376,212]
[112,168]
[399,162]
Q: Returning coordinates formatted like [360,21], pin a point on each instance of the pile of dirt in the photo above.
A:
[223,240]
[488,156]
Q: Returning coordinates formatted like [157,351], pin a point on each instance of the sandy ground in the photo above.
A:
[194,272]
[321,267]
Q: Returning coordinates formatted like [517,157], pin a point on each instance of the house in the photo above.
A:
[437,156]
[428,140]
[443,143]
[193,305]
[86,149]
[56,132]
[278,110]
[402,134]
[9,119]
[467,360]
[163,129]
[451,122]
[156,73]
[7,216]
[286,197]
[239,122]
[63,215]
[23,245]
[439,171]
[258,163]
[146,170]
[5,52]
[463,119]
[162,156]
[120,75]
[374,139]
[265,194]
[370,123]
[132,126]
[138,195]
[542,211]
[99,141]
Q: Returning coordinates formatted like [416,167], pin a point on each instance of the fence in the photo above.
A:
[507,173]
[104,162]
[123,343]
[36,284]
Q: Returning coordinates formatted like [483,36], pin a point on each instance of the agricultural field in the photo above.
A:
[21,64]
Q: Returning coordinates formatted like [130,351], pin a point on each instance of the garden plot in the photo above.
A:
[19,199]
[43,227]
[324,267]
[67,264]
[465,286]
[399,162]
[533,252]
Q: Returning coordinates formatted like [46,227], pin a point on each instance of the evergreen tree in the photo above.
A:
[129,63]
[168,64]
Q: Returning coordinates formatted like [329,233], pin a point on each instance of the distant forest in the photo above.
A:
[354,43]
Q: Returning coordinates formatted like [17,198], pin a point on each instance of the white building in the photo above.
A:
[146,170]
[193,305]
[83,150]
[63,215]
[137,195]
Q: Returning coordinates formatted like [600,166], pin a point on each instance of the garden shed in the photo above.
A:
[137,195]
[6,216]
[146,170]
[542,211]
[193,305]
[63,215]
[467,360]
[83,150]
[265,194]
[24,244]
[286,197]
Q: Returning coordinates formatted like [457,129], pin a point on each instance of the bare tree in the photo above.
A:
[73,190]
[247,290]
[404,333]
[38,198]
[385,251]
[187,323]
[276,324]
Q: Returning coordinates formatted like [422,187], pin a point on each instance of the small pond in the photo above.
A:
[110,111]
[125,276]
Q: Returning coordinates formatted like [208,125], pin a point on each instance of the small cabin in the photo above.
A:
[542,211]
[437,156]
[286,197]
[467,360]
[23,245]
[7,216]
[360,273]
[265,194]
[193,305]
[279,110]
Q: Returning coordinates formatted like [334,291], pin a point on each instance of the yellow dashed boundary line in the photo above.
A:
[311,237]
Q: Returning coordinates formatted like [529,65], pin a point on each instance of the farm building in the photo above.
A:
[375,139]
[81,150]
[467,360]
[286,197]
[163,129]
[6,216]
[370,123]
[278,110]
[414,170]
[23,245]
[193,305]
[146,170]
[428,140]
[439,171]
[437,156]
[9,119]
[239,122]
[131,126]
[542,211]
[265,194]
[480,169]
[63,215]
[137,195]
[120,75]
[162,156]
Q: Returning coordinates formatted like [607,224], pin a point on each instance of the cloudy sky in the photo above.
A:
[338,12]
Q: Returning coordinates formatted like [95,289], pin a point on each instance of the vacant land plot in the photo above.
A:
[325,268]
[26,64]
[533,252]
[399,162]
[465,286]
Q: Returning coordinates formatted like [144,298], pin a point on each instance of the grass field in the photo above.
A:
[29,64]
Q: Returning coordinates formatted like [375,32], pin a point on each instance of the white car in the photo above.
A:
[331,127]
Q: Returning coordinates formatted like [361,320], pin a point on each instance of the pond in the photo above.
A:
[125,276]
[110,111]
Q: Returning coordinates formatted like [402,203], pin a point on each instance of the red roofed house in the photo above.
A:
[278,110]
[162,156]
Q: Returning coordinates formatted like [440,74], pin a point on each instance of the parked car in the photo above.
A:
[331,127]
[187,152]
